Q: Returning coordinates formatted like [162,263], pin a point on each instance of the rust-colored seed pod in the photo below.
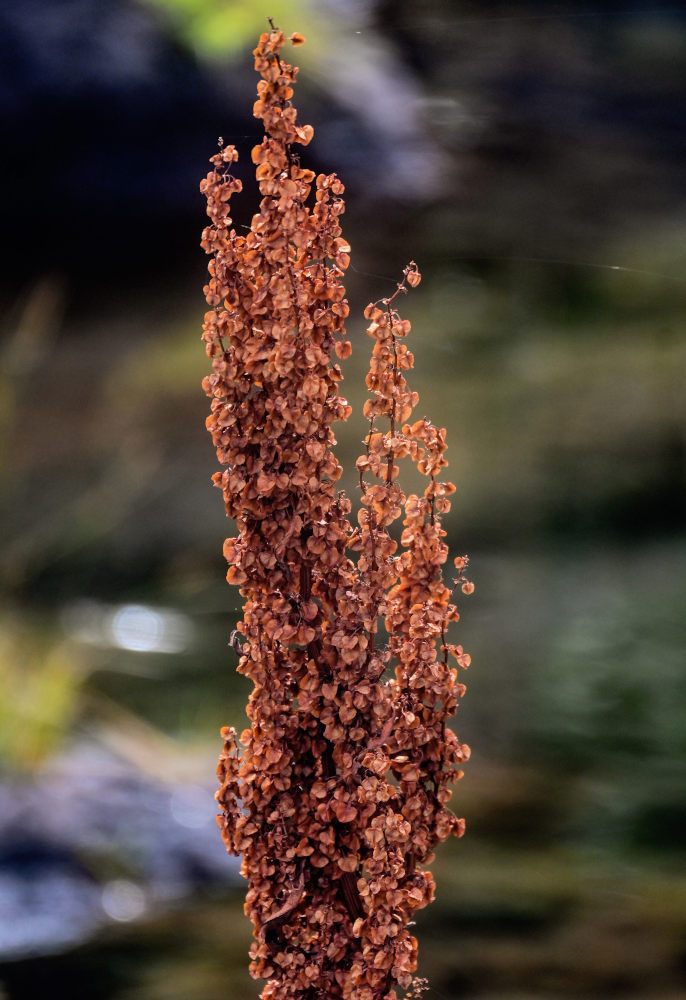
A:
[336,796]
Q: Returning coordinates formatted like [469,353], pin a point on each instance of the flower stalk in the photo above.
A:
[336,795]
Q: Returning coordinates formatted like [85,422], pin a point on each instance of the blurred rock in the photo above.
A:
[93,840]
[48,901]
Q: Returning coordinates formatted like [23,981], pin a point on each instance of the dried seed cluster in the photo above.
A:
[336,796]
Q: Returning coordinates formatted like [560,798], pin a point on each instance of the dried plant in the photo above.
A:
[337,794]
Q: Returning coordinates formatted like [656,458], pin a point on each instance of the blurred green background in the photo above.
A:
[530,158]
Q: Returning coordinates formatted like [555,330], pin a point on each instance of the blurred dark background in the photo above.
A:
[530,158]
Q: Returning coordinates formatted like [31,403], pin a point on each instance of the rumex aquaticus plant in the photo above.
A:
[337,794]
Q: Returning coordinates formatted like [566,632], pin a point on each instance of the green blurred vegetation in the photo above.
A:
[41,678]
[219,30]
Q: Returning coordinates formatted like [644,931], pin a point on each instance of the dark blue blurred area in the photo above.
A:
[106,120]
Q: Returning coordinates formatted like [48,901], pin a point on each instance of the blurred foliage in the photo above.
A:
[41,678]
[225,29]
[610,703]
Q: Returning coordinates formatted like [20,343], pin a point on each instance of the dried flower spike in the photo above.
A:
[336,795]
